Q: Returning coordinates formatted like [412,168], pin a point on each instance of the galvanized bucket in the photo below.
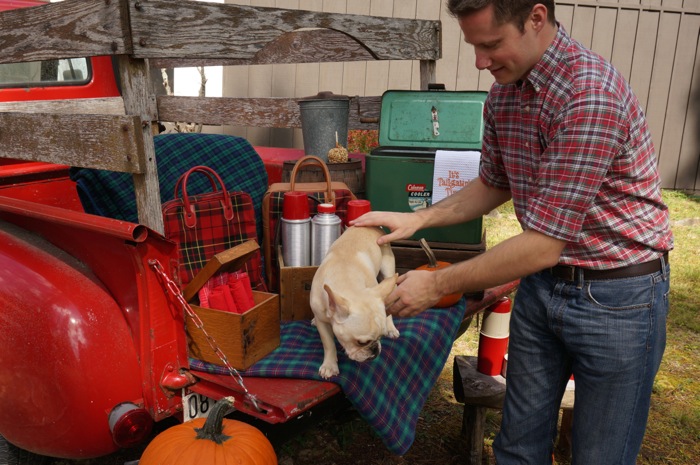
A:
[322,116]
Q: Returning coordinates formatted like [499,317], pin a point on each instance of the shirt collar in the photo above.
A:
[546,67]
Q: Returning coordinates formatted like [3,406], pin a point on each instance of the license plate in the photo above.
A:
[196,405]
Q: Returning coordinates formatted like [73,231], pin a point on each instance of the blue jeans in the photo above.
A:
[611,335]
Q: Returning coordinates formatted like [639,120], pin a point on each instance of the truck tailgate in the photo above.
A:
[279,399]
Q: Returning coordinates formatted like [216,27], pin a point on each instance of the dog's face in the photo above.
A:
[359,321]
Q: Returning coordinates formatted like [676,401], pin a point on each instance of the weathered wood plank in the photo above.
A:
[72,28]
[258,112]
[427,73]
[102,142]
[97,106]
[139,101]
[317,46]
[221,31]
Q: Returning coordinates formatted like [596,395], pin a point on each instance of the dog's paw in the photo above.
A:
[391,330]
[328,370]
[392,333]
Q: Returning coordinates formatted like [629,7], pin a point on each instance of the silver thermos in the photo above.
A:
[295,229]
[325,228]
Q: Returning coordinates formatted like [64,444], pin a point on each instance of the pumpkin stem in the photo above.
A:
[432,261]
[214,425]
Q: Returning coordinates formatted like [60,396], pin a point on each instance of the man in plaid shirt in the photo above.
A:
[566,139]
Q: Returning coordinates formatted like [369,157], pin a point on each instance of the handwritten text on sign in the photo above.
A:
[453,170]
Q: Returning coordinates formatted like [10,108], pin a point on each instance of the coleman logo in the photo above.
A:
[415,187]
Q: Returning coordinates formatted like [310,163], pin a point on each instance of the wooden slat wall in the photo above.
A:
[654,43]
[176,34]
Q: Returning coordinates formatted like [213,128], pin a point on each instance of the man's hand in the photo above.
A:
[416,291]
[401,225]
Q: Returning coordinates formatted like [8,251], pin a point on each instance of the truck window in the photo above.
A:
[70,71]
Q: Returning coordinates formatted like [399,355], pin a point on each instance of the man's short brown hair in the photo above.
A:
[505,11]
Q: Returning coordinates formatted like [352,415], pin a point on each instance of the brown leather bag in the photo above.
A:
[335,192]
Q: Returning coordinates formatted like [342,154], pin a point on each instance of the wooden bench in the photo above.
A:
[479,392]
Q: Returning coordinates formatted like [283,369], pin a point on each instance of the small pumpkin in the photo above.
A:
[211,441]
[434,265]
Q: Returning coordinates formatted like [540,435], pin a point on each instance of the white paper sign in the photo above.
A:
[453,170]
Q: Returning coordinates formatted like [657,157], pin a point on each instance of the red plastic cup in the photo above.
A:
[295,206]
[356,208]
[490,355]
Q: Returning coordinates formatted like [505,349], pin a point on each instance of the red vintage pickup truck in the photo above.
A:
[92,354]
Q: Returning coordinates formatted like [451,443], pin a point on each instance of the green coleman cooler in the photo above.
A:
[399,172]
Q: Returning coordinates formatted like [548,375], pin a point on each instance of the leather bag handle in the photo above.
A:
[312,160]
[216,181]
[178,185]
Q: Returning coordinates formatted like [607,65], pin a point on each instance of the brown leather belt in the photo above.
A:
[571,273]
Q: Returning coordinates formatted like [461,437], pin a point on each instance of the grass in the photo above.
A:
[673,433]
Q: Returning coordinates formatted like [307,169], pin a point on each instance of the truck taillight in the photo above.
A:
[130,424]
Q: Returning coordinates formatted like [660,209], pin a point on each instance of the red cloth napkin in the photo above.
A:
[242,291]
[221,298]
[230,292]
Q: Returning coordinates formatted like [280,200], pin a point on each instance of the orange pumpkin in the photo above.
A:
[434,265]
[214,441]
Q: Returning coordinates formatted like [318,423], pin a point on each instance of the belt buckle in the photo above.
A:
[565,272]
[570,273]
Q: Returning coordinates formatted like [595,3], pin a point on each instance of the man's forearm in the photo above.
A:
[472,201]
[514,258]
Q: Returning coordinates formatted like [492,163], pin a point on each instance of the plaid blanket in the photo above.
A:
[388,392]
[111,194]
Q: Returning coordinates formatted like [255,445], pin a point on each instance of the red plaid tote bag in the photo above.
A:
[205,224]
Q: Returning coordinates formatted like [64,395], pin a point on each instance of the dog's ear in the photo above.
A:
[386,286]
[337,305]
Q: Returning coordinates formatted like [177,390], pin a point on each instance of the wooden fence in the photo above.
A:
[655,43]
[167,33]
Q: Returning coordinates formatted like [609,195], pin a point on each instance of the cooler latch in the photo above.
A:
[436,123]
[434,111]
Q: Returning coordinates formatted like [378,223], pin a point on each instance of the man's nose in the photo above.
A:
[482,61]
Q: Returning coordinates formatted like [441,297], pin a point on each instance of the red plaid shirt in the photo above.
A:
[572,144]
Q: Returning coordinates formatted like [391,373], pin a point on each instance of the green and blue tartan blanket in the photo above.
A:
[111,194]
[388,392]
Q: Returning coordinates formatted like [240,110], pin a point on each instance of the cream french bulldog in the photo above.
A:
[347,299]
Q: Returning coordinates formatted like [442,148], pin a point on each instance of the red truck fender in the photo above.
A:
[47,295]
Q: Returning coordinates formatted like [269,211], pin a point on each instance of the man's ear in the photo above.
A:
[337,306]
[538,17]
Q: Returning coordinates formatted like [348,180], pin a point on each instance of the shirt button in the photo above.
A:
[527,144]
[527,109]
[537,88]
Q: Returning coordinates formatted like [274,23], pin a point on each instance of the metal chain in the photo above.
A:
[174,289]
